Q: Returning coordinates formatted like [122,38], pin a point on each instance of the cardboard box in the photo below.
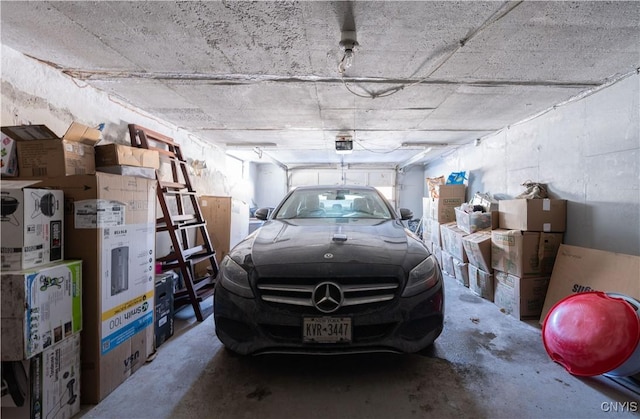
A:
[163,319]
[118,154]
[437,252]
[477,247]
[548,215]
[472,222]
[8,156]
[443,209]
[46,386]
[452,240]
[518,252]
[548,251]
[579,269]
[52,156]
[481,282]
[522,298]
[110,223]
[461,270]
[447,264]
[451,191]
[434,231]
[32,225]
[40,308]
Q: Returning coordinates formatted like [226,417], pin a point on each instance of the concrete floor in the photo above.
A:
[485,365]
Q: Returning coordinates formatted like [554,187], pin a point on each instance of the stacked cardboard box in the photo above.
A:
[439,209]
[41,153]
[452,248]
[127,161]
[478,249]
[110,226]
[523,252]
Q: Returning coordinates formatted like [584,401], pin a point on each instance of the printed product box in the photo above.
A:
[580,269]
[163,320]
[519,253]
[110,222]
[443,209]
[40,307]
[8,156]
[45,386]
[472,222]
[118,154]
[477,247]
[452,240]
[447,264]
[522,298]
[462,272]
[548,215]
[45,155]
[481,282]
[32,225]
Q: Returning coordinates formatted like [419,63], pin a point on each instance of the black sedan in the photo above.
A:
[332,270]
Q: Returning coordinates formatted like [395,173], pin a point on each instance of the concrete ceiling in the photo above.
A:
[265,74]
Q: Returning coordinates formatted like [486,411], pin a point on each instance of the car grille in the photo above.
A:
[360,294]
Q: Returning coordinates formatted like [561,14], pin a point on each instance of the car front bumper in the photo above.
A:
[405,325]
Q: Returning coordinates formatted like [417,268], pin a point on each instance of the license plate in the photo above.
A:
[326,329]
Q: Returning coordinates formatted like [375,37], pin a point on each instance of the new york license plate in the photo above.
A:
[326,329]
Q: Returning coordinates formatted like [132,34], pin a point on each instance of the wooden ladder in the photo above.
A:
[181,218]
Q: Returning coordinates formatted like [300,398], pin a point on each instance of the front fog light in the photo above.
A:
[234,279]
[423,277]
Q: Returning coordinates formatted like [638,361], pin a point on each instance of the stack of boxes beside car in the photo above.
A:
[523,252]
[100,302]
[504,251]
[41,306]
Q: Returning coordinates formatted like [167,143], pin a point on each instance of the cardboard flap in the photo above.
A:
[29,132]
[82,134]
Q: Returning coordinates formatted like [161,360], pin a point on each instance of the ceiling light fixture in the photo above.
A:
[348,44]
[414,159]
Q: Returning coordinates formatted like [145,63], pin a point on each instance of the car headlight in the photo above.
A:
[423,277]
[234,279]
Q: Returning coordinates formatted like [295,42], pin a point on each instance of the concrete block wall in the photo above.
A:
[586,150]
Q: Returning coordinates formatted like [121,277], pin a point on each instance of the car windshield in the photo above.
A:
[334,203]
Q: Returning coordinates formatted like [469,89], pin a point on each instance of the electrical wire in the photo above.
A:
[505,9]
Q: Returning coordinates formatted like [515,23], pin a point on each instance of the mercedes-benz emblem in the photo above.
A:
[327,297]
[328,255]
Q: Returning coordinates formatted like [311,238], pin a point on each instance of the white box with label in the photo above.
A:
[32,225]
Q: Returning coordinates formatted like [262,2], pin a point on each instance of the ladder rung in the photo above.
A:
[151,135]
[201,257]
[183,217]
[190,253]
[179,192]
[168,153]
[173,185]
[163,227]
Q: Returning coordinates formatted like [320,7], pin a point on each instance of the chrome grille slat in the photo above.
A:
[287,288]
[363,292]
[368,287]
[288,300]
[366,300]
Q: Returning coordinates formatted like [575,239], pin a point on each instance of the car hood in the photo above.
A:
[362,241]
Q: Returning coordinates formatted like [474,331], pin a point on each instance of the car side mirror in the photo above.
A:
[262,213]
[406,214]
